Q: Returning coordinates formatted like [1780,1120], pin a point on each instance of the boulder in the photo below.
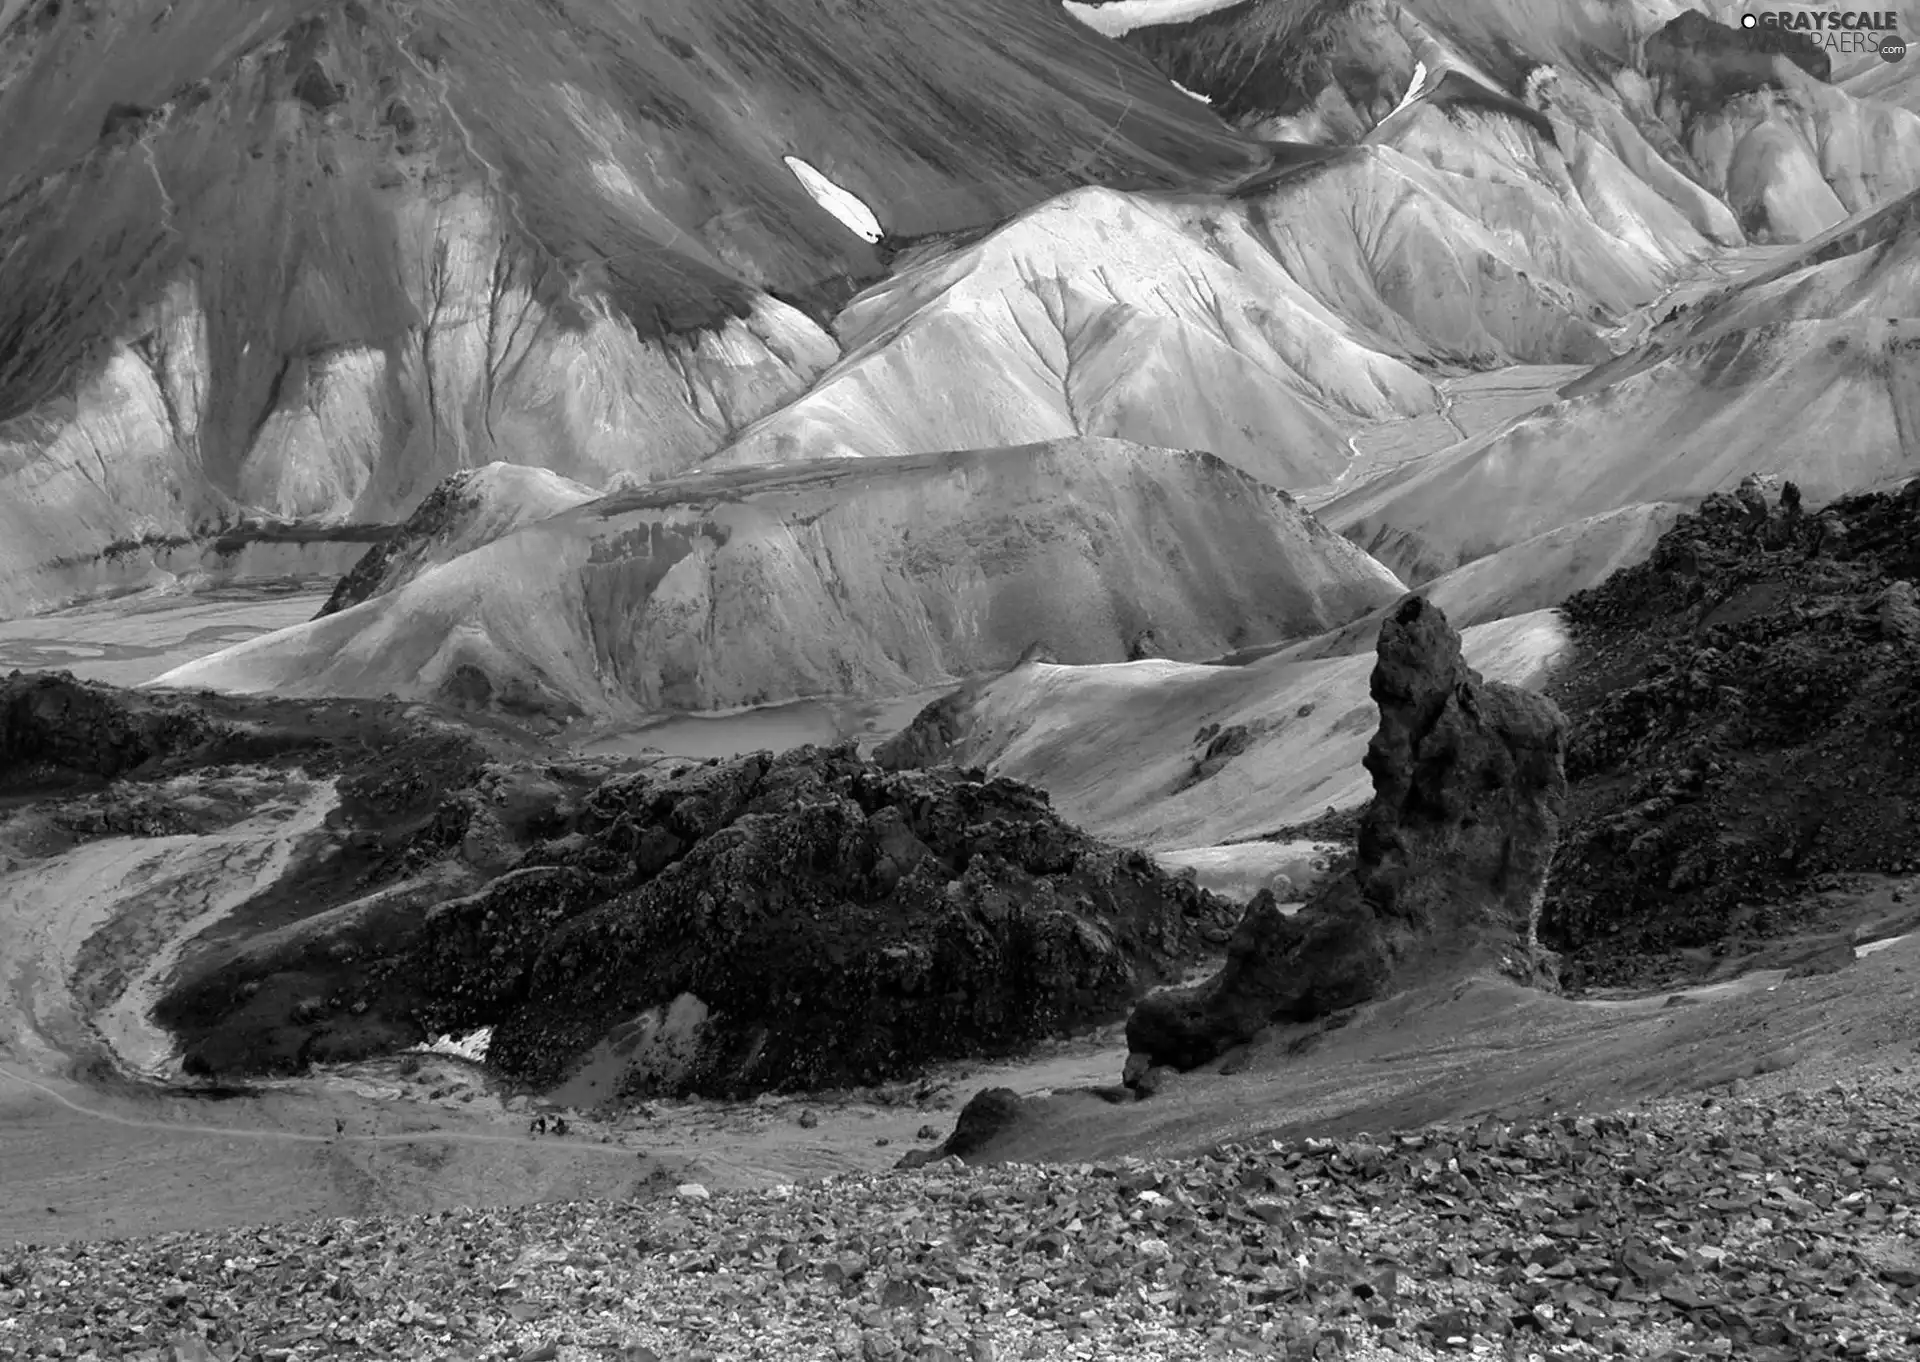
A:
[1899,614]
[1451,865]
[988,1114]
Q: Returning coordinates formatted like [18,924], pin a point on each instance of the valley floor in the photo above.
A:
[127,640]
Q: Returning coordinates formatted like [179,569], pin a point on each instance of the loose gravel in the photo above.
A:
[1723,1227]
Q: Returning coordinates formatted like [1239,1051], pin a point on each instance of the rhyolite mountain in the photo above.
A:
[826,577]
[299,261]
[278,270]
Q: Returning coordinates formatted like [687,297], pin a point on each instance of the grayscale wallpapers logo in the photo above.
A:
[1839,31]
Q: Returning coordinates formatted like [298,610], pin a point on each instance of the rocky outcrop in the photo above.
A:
[988,1114]
[122,751]
[1451,862]
[1702,63]
[1745,729]
[466,511]
[729,928]
[52,722]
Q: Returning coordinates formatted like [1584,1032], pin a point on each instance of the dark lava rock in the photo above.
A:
[1450,867]
[932,736]
[394,762]
[821,922]
[1703,63]
[988,1114]
[51,720]
[439,511]
[1745,722]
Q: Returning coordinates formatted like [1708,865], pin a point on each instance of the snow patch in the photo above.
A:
[472,1046]
[1123,16]
[1415,84]
[852,213]
[1190,94]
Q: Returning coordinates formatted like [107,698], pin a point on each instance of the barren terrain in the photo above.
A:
[855,558]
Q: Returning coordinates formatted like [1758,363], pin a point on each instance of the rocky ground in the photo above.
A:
[1746,738]
[1759,1226]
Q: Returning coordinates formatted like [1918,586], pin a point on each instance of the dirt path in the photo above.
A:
[235,1132]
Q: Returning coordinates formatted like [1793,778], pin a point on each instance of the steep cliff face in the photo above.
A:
[303,260]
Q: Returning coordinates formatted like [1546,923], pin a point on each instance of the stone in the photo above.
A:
[988,1114]
[1899,615]
[1450,870]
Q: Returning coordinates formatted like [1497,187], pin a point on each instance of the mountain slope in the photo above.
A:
[1266,327]
[1803,369]
[303,261]
[467,511]
[834,578]
[1169,755]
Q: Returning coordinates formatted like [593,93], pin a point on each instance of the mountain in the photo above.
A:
[279,273]
[289,261]
[1380,492]
[1802,368]
[1267,327]
[838,577]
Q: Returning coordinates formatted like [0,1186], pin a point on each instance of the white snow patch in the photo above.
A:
[853,214]
[1190,94]
[1123,16]
[471,1046]
[1415,83]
